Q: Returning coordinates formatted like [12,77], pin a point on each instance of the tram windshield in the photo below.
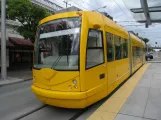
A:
[57,44]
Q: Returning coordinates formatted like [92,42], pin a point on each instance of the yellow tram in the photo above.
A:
[80,57]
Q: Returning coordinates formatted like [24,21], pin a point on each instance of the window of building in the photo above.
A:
[110,47]
[124,48]
[118,47]
[95,47]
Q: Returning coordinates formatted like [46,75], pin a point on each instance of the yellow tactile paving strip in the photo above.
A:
[109,109]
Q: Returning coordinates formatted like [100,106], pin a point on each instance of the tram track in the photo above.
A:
[77,115]
[30,112]
[74,117]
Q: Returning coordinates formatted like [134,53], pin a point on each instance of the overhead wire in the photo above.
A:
[120,7]
[88,4]
[125,21]
[78,4]
[128,9]
[55,1]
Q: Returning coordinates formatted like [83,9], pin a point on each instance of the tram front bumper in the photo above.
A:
[70,99]
[61,99]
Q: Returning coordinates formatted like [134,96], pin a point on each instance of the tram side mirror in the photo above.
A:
[97,26]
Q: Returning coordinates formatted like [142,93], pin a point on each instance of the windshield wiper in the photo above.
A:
[56,62]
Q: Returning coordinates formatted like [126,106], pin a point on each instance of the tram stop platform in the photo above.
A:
[139,98]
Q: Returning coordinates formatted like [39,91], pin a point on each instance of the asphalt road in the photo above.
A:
[156,57]
[17,103]
[16,100]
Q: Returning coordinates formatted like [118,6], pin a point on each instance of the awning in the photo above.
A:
[8,44]
[20,42]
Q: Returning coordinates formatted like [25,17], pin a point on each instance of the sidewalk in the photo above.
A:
[138,99]
[145,101]
[15,76]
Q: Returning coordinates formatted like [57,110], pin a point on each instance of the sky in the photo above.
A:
[120,11]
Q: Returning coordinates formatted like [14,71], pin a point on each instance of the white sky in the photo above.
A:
[119,10]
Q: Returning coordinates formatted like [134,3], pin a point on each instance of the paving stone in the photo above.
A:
[153,109]
[136,103]
[157,76]
[154,93]
[144,82]
[147,119]
[126,117]
[156,84]
[147,75]
[140,93]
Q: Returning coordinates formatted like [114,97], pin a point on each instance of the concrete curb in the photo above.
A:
[15,82]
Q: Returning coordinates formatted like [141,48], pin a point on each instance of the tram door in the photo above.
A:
[96,71]
[134,55]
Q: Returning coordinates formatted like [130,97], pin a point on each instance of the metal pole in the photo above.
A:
[66,3]
[3,40]
[130,52]
[146,48]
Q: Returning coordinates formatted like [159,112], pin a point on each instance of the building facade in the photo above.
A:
[48,5]
[10,32]
[20,50]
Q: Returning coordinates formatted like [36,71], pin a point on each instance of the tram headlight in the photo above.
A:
[75,82]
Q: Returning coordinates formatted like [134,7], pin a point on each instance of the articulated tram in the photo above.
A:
[80,57]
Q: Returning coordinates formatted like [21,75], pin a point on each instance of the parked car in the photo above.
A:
[148,56]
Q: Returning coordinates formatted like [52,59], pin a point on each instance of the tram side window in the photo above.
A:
[137,52]
[94,48]
[118,48]
[125,48]
[110,47]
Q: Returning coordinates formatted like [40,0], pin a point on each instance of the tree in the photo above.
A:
[27,14]
[146,40]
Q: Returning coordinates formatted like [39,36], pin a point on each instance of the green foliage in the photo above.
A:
[27,14]
[146,40]
[150,49]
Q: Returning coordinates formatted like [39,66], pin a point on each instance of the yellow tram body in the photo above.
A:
[101,66]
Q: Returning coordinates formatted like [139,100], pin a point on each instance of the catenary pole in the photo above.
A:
[3,40]
[66,3]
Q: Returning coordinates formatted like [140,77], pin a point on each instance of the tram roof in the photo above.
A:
[111,22]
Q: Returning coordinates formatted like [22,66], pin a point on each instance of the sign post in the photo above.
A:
[3,40]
